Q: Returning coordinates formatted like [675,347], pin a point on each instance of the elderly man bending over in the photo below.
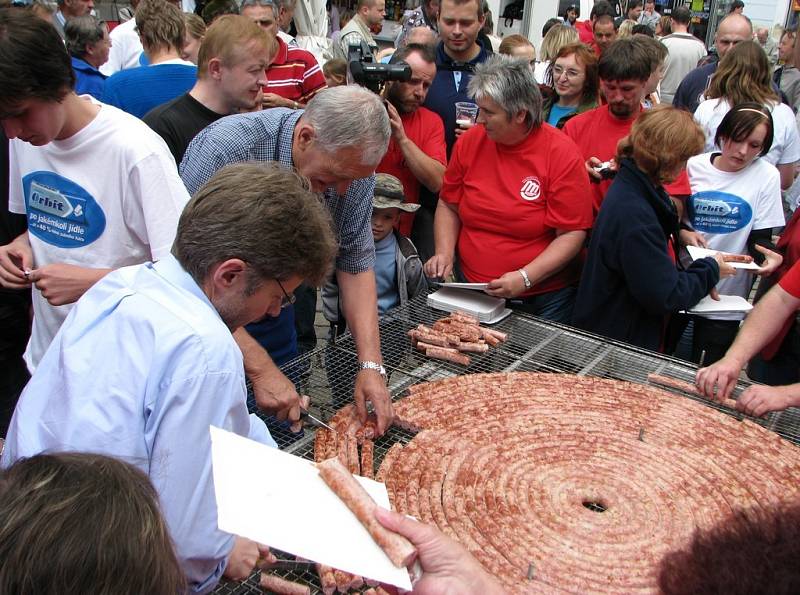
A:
[336,142]
[145,362]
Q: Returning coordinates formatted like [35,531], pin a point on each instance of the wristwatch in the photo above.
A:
[373,366]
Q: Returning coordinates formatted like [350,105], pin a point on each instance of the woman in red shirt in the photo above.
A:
[515,203]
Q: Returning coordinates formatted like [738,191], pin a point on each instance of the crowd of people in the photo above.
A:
[179,187]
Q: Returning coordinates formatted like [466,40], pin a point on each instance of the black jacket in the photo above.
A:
[630,284]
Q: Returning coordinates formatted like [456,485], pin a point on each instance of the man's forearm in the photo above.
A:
[360,308]
[257,361]
[762,324]
[426,169]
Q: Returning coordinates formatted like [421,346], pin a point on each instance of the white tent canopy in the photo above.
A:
[311,20]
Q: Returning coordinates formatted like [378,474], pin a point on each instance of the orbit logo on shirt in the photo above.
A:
[60,212]
[712,211]
[531,188]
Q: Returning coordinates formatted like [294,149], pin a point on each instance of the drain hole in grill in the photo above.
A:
[594,506]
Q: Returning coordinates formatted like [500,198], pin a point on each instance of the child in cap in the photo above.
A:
[398,268]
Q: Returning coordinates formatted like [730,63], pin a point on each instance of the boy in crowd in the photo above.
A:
[398,268]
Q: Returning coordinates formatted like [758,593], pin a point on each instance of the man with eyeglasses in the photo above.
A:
[336,142]
[146,361]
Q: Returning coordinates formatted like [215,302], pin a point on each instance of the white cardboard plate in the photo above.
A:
[477,286]
[279,499]
[696,252]
[726,303]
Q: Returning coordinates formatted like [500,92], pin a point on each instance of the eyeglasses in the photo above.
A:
[287,299]
[570,74]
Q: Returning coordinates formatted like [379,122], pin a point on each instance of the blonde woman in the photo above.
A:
[556,38]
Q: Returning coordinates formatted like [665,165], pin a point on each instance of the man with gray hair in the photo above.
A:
[88,46]
[765,40]
[68,9]
[284,17]
[515,202]
[336,142]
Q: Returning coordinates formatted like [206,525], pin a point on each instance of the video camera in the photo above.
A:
[370,74]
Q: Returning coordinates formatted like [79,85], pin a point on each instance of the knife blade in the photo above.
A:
[304,414]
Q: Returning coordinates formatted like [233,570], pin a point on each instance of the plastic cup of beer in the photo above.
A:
[466,114]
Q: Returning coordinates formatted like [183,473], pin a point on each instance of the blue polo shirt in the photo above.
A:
[444,93]
[88,80]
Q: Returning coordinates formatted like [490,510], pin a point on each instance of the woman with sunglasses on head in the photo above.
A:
[575,84]
[734,206]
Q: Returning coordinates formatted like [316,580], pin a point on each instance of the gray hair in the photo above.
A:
[270,3]
[510,83]
[350,116]
[285,3]
[80,32]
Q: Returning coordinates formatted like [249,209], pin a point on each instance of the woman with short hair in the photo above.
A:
[515,203]
[88,45]
[630,284]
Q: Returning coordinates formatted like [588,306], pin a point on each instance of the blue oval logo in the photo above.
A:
[712,211]
[60,212]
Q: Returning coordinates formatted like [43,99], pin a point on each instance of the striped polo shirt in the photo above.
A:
[294,74]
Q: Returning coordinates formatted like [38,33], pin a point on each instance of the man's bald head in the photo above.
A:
[732,29]
[422,35]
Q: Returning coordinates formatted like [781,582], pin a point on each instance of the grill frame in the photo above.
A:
[533,345]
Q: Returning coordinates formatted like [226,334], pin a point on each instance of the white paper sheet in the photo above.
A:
[726,303]
[696,252]
[477,286]
[278,499]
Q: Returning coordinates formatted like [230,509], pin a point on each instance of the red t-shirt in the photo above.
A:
[425,129]
[790,282]
[597,133]
[511,201]
[585,31]
[294,74]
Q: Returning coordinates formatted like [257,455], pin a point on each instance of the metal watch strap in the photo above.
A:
[525,278]
[368,365]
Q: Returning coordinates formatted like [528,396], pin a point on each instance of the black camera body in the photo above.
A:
[368,73]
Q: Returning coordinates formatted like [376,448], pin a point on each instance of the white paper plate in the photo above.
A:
[696,252]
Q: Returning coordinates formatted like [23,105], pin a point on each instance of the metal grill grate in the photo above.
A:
[327,374]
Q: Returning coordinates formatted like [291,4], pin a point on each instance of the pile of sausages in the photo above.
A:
[344,444]
[452,337]
[560,483]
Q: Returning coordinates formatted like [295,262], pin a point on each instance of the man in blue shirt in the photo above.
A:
[459,50]
[88,45]
[146,360]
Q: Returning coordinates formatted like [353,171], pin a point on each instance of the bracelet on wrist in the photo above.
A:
[525,278]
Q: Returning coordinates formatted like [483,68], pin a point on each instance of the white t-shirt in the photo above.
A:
[126,48]
[106,197]
[785,142]
[725,207]
[685,51]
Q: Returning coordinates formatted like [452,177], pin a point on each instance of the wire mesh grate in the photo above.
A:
[328,373]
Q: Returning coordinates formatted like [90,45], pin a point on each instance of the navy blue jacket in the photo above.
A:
[443,95]
[630,284]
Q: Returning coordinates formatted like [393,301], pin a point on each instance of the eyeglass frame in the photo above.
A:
[287,299]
